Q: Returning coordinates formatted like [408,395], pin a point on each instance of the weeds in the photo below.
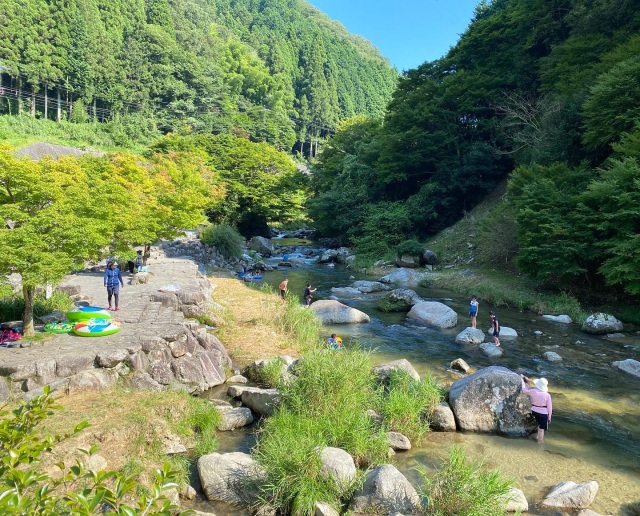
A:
[408,403]
[465,488]
[325,406]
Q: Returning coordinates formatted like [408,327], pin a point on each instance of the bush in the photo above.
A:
[465,488]
[224,238]
[24,489]
[408,403]
[11,307]
[411,247]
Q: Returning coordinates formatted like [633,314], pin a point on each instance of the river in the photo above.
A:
[595,432]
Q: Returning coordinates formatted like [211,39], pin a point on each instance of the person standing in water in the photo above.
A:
[473,310]
[495,326]
[541,406]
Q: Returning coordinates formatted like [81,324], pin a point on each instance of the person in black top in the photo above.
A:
[495,326]
[307,295]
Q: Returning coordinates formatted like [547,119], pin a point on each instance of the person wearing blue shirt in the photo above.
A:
[113,281]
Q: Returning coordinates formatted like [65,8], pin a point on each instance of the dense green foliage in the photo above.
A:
[25,489]
[224,238]
[12,305]
[549,89]
[466,488]
[262,185]
[279,71]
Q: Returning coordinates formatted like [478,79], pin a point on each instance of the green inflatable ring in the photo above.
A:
[58,327]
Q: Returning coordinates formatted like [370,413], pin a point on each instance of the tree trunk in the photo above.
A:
[46,103]
[59,112]
[33,101]
[95,117]
[27,315]
[146,254]
[19,96]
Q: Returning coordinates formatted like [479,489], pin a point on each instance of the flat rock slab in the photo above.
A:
[628,366]
[563,319]
[470,336]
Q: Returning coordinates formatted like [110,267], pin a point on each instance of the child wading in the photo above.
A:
[495,326]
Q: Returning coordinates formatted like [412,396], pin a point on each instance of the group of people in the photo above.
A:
[284,290]
[495,324]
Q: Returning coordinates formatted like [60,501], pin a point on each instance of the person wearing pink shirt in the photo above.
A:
[541,407]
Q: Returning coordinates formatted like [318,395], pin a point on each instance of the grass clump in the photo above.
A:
[224,238]
[325,406]
[203,419]
[465,488]
[408,403]
[12,306]
[298,322]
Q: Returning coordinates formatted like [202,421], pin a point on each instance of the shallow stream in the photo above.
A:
[595,432]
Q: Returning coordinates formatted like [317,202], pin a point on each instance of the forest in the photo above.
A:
[544,94]
[276,71]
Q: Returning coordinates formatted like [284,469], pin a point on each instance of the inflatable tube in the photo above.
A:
[251,278]
[84,313]
[96,328]
[59,327]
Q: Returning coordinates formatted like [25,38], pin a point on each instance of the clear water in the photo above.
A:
[595,432]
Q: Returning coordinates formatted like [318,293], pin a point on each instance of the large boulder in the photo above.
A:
[570,495]
[600,324]
[383,371]
[261,401]
[337,464]
[628,366]
[334,312]
[228,477]
[261,245]
[470,336]
[367,287]
[563,319]
[342,255]
[399,300]
[329,256]
[434,314]
[490,400]
[403,276]
[234,417]
[385,491]
[408,260]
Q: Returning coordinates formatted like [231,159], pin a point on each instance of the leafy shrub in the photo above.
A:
[224,238]
[411,247]
[408,403]
[465,488]
[24,489]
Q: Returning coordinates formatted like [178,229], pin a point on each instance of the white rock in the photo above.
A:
[337,464]
[470,336]
[517,501]
[629,366]
[491,350]
[552,356]
[442,418]
[234,417]
[505,333]
[564,319]
[434,314]
[398,441]
[334,312]
[570,495]
[384,370]
[600,324]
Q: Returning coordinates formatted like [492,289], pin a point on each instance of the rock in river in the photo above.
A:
[334,312]
[434,314]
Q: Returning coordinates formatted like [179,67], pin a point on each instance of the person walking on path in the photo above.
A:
[541,406]
[307,295]
[495,326]
[473,311]
[113,281]
[283,288]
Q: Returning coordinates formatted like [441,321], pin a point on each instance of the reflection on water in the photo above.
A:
[595,432]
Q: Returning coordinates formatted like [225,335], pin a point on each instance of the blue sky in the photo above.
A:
[408,32]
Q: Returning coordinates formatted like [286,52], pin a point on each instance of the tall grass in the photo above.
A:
[12,306]
[325,406]
[408,403]
[465,488]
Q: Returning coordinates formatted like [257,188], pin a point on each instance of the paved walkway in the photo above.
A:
[140,317]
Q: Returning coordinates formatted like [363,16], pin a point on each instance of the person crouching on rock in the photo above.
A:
[541,407]
[113,281]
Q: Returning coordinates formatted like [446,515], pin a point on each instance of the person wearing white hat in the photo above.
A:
[541,406]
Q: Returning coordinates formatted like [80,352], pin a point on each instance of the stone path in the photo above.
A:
[141,318]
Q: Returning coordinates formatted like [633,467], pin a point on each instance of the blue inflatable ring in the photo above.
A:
[96,328]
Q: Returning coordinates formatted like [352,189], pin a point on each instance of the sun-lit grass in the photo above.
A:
[258,324]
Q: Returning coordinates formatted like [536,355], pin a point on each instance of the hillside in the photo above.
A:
[278,71]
